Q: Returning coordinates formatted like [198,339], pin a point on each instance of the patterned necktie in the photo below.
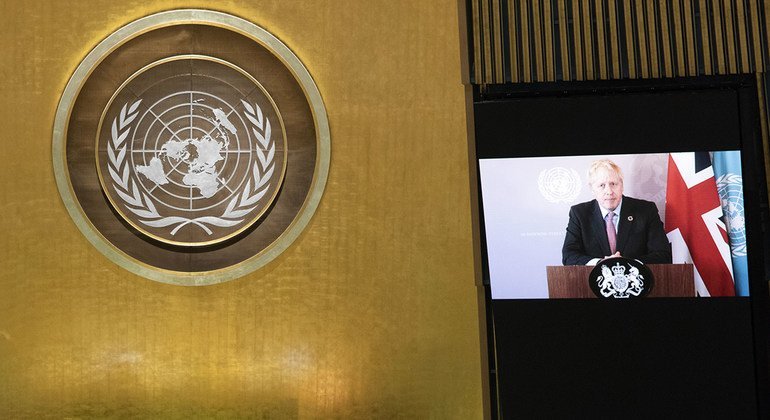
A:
[608,222]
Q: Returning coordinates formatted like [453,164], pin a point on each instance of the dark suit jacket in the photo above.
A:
[640,238]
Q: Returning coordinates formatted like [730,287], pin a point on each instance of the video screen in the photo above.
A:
[545,215]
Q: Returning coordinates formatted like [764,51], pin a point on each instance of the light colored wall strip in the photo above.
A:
[756,36]
[566,74]
[497,50]
[601,51]
[652,38]
[588,50]
[550,70]
[668,67]
[678,35]
[743,26]
[615,57]
[486,37]
[577,40]
[513,49]
[537,34]
[641,38]
[692,60]
[731,37]
[525,40]
[717,35]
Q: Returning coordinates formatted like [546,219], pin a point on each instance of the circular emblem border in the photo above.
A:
[111,198]
[181,17]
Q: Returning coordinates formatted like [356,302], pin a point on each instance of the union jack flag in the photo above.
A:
[694,223]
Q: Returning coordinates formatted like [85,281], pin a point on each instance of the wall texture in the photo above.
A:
[546,40]
[371,313]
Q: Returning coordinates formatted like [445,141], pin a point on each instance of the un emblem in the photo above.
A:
[730,189]
[191,147]
[559,185]
[191,167]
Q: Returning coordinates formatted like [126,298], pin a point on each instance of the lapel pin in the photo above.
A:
[630,218]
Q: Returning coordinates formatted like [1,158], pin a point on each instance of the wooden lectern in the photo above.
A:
[671,280]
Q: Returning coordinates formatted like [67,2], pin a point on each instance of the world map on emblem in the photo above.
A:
[198,155]
[191,157]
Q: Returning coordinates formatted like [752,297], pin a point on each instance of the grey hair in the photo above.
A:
[603,164]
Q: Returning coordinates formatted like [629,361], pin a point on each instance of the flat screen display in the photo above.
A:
[694,193]
[683,207]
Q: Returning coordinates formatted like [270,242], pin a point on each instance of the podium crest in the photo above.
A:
[621,278]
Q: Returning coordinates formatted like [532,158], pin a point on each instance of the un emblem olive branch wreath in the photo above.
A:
[730,189]
[140,203]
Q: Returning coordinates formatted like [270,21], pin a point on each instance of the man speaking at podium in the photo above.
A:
[612,225]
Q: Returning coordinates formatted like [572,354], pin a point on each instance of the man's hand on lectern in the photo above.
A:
[615,255]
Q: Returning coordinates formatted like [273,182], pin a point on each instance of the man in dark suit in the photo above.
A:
[613,225]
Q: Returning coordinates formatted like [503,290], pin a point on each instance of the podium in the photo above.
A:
[671,280]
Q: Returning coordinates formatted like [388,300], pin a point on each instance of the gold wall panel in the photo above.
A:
[372,313]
